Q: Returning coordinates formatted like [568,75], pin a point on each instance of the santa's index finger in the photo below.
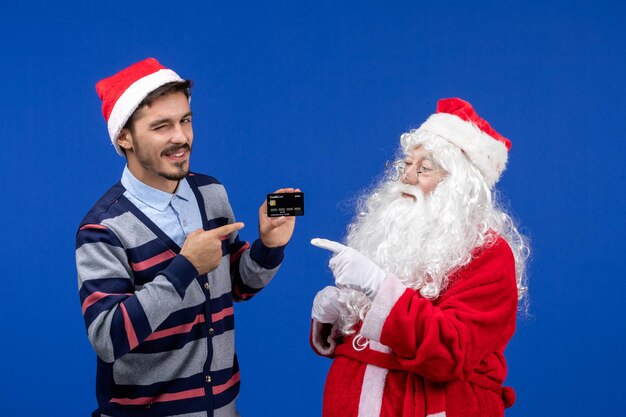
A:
[330,245]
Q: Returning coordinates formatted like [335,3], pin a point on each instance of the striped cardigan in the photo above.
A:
[164,336]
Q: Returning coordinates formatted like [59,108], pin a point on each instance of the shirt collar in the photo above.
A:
[157,199]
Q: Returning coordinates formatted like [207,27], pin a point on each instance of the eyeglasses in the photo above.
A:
[396,169]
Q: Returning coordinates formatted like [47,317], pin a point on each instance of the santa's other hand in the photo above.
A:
[351,269]
[326,307]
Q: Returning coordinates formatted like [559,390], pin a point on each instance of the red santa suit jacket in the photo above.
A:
[415,357]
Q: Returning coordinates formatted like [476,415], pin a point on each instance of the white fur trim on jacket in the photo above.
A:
[390,291]
[373,387]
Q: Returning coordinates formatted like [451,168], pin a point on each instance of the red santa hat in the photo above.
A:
[121,93]
[458,123]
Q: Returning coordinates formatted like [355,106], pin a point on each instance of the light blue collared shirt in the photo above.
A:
[176,214]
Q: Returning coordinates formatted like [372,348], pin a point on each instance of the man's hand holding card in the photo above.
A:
[276,229]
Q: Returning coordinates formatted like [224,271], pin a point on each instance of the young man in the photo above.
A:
[160,262]
[427,287]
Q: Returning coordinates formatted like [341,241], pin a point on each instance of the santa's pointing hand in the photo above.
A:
[351,269]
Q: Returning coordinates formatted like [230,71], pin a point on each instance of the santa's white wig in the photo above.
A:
[423,242]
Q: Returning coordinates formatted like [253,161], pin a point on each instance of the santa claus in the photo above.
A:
[428,283]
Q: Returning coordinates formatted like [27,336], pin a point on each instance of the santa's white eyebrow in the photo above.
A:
[420,160]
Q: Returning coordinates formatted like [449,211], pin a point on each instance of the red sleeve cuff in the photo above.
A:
[323,338]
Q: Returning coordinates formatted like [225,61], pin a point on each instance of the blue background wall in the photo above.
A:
[315,95]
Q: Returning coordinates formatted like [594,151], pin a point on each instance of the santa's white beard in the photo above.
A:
[420,241]
[392,230]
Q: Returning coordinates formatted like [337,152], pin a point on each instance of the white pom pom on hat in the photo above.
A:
[121,93]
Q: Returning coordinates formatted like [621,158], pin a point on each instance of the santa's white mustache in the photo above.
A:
[401,188]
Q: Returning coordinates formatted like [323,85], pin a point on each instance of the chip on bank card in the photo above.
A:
[285,204]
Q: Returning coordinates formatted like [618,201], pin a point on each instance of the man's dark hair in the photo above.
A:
[168,88]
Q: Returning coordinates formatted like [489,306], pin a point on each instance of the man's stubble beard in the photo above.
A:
[178,176]
[149,164]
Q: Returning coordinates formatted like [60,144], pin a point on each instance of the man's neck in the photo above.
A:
[158,182]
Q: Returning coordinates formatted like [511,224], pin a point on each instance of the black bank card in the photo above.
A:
[285,204]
